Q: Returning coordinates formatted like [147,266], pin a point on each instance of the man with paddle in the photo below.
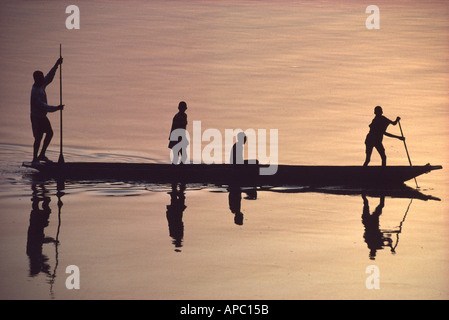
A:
[39,108]
[375,135]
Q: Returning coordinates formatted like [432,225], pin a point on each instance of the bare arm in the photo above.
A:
[51,74]
[54,108]
[394,136]
[49,108]
[395,122]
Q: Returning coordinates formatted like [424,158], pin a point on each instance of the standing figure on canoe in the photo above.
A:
[375,135]
[39,108]
[178,140]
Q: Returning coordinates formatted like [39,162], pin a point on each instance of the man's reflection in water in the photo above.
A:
[39,220]
[373,236]
[235,201]
[175,211]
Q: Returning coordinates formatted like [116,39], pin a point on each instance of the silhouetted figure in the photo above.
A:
[178,131]
[235,202]
[373,236]
[39,108]
[39,220]
[374,137]
[237,149]
[175,212]
[251,194]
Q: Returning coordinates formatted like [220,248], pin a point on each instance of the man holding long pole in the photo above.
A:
[375,135]
[39,109]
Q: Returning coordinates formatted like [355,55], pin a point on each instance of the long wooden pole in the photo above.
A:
[406,150]
[61,157]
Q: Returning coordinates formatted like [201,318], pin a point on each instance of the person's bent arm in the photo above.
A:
[395,122]
[394,136]
[49,108]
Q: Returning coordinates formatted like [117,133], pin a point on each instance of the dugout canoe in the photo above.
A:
[246,174]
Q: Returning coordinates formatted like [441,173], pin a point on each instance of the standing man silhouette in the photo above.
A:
[178,132]
[375,135]
[39,108]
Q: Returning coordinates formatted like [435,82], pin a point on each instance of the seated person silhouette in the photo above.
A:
[237,149]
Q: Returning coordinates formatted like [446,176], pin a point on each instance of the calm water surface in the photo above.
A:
[311,70]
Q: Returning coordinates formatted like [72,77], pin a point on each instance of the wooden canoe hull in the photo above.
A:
[248,174]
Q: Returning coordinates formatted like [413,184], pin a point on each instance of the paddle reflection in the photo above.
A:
[375,237]
[36,236]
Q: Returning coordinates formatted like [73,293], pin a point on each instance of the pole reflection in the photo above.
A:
[375,237]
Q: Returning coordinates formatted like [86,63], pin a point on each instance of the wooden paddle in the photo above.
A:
[61,157]
[406,150]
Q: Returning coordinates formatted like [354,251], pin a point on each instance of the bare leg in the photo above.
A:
[369,151]
[36,144]
[175,157]
[47,141]
[383,156]
[384,160]
[183,153]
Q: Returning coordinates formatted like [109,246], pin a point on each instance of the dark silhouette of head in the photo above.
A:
[378,111]
[38,78]
[182,106]
[241,137]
